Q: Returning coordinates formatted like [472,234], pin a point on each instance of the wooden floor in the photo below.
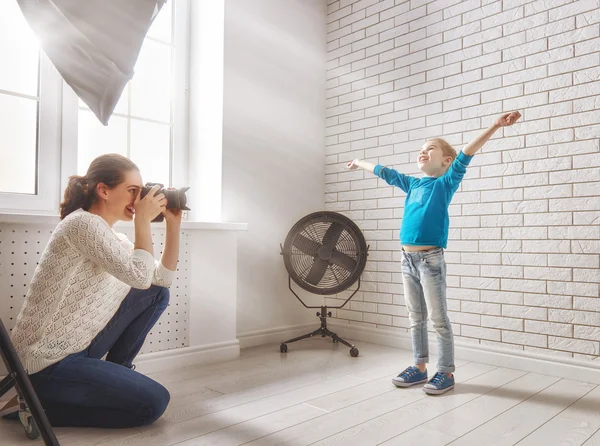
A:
[317,394]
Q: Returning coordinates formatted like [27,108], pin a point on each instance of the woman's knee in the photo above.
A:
[153,404]
[163,295]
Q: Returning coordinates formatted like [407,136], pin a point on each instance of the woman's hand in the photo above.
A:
[173,216]
[151,205]
[508,119]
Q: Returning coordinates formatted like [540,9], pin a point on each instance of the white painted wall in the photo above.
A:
[273,145]
[523,259]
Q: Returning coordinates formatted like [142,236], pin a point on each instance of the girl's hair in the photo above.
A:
[81,191]
[447,149]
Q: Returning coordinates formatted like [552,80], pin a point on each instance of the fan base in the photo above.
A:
[322,331]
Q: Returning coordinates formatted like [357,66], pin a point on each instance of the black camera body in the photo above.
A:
[176,198]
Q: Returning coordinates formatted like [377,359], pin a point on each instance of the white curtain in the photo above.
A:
[94,44]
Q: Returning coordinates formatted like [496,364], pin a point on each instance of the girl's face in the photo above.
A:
[120,199]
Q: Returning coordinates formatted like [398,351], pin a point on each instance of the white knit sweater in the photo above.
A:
[84,274]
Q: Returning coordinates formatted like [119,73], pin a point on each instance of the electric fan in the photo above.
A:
[324,253]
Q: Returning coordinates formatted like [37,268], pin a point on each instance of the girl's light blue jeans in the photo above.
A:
[424,275]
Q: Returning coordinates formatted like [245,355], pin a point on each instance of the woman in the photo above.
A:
[94,293]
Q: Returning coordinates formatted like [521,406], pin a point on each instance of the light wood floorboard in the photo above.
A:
[317,394]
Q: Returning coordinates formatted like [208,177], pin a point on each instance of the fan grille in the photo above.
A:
[325,253]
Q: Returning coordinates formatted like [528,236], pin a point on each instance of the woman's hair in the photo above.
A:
[447,149]
[81,191]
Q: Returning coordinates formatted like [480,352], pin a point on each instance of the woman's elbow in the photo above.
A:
[162,282]
[141,283]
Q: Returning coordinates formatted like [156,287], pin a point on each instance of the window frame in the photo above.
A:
[48,147]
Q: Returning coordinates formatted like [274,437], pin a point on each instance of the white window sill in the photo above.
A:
[53,220]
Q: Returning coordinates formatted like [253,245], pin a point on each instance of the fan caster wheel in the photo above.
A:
[329,314]
[354,352]
[283,348]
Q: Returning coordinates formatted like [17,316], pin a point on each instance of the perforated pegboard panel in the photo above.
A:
[171,330]
[21,246]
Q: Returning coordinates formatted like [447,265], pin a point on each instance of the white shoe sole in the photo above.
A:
[437,391]
[403,384]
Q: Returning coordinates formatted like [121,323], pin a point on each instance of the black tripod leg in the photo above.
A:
[24,387]
[318,331]
[337,338]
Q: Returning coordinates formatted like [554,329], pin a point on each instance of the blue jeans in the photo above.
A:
[424,275]
[84,390]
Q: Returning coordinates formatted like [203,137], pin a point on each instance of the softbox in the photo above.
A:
[94,44]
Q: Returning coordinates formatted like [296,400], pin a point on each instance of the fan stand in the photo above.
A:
[323,331]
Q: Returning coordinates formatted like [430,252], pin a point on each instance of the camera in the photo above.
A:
[176,198]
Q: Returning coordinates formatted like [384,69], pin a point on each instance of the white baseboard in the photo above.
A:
[275,335]
[187,357]
[587,371]
[180,357]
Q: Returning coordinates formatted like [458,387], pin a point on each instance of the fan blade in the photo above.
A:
[306,245]
[343,260]
[332,235]
[317,271]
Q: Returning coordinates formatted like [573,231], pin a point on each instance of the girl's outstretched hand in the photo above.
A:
[352,164]
[508,119]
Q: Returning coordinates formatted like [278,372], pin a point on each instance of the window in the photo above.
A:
[29,88]
[19,100]
[141,125]
[47,134]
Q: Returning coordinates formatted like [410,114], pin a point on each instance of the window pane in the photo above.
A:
[150,150]
[150,88]
[122,106]
[161,27]
[18,144]
[94,139]
[19,51]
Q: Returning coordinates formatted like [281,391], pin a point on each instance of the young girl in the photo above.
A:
[424,235]
[94,293]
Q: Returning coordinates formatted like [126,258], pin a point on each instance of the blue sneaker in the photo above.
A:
[409,377]
[440,383]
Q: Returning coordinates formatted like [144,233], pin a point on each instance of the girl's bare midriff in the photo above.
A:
[410,248]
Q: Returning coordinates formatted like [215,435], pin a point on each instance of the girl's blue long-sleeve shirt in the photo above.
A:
[426,220]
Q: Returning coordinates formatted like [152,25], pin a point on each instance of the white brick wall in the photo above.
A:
[524,251]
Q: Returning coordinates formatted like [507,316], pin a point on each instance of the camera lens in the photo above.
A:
[176,198]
